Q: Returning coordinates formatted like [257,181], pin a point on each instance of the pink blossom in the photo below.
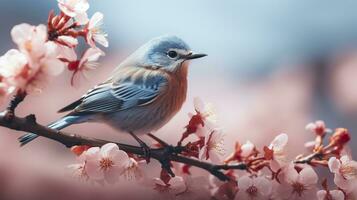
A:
[345,171]
[208,117]
[196,188]
[213,148]
[330,195]
[247,149]
[13,70]
[310,145]
[48,65]
[132,170]
[107,162]
[94,31]
[30,40]
[175,186]
[78,171]
[41,56]
[253,188]
[277,151]
[76,9]
[298,184]
[86,63]
[318,127]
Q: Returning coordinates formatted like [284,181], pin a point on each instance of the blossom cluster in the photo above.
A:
[270,174]
[44,51]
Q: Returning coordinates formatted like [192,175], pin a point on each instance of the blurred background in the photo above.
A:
[273,66]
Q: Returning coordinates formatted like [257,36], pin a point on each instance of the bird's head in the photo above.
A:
[165,52]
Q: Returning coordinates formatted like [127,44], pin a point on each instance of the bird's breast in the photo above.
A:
[152,116]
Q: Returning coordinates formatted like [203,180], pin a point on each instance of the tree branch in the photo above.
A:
[163,155]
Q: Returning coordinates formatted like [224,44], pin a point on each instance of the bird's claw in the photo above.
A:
[146,149]
[147,152]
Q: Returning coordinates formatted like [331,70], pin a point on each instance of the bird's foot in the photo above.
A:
[146,149]
[147,152]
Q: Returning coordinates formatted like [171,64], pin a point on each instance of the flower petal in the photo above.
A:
[92,153]
[198,104]
[264,186]
[68,40]
[321,194]
[247,148]
[244,182]
[20,33]
[96,20]
[177,185]
[66,53]
[53,67]
[81,18]
[101,39]
[93,170]
[291,175]
[308,176]
[334,164]
[279,142]
[337,195]
[108,150]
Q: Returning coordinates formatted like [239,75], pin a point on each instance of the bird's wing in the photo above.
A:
[112,97]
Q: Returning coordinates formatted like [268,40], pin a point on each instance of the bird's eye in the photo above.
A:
[172,54]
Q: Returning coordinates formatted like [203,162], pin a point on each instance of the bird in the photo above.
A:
[143,93]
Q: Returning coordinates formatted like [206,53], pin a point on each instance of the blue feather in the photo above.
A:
[58,125]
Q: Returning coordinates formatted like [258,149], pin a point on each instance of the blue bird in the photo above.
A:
[145,91]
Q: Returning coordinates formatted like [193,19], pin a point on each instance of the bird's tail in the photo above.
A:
[58,125]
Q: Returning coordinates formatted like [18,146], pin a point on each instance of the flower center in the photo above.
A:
[252,191]
[216,145]
[298,188]
[348,172]
[106,164]
[73,66]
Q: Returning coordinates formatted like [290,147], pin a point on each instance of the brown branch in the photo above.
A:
[163,155]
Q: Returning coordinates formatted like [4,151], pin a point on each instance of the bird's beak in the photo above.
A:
[194,56]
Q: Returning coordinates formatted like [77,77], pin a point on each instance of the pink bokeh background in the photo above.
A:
[250,106]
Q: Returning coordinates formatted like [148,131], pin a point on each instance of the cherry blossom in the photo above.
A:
[94,31]
[196,188]
[48,65]
[41,56]
[107,162]
[252,188]
[213,147]
[85,63]
[76,9]
[276,152]
[30,40]
[247,148]
[318,127]
[78,171]
[13,70]
[330,195]
[310,145]
[174,186]
[132,170]
[345,171]
[207,115]
[298,184]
